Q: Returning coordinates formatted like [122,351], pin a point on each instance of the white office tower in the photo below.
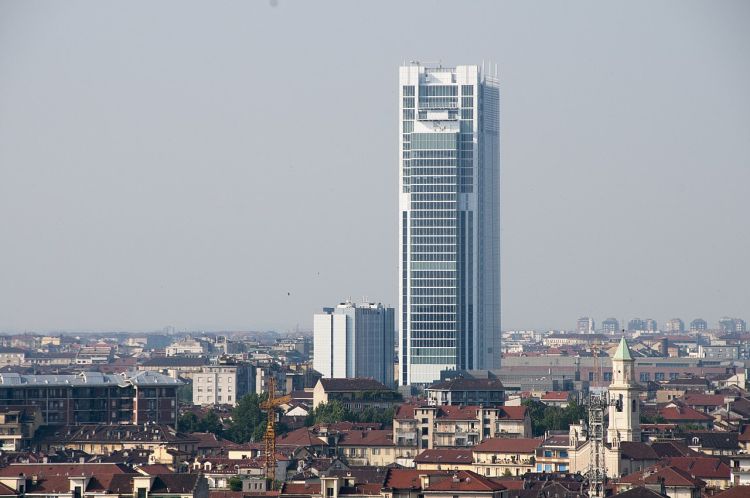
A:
[355,341]
[449,272]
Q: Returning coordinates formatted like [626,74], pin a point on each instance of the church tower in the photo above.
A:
[624,410]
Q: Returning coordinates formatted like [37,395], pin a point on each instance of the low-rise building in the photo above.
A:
[505,457]
[466,391]
[354,394]
[186,347]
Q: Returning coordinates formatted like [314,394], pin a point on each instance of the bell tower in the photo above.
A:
[624,409]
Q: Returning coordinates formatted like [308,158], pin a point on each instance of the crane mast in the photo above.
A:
[269,438]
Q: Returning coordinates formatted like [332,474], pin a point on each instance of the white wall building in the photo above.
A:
[222,384]
[355,341]
[449,277]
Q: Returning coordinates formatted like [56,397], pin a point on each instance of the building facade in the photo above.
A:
[449,281]
[222,384]
[610,326]
[355,341]
[94,398]
[585,325]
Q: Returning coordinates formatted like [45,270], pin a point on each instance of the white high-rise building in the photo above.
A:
[449,268]
[355,341]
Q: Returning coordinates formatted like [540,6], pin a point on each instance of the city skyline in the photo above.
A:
[168,180]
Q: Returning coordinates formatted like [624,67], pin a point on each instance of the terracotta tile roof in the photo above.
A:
[457,412]
[683,414]
[512,413]
[503,445]
[735,492]
[698,399]
[408,478]
[300,488]
[153,469]
[702,467]
[510,483]
[635,450]
[555,396]
[744,434]
[672,449]
[174,483]
[639,492]
[672,476]
[466,481]
[300,437]
[405,411]
[53,478]
[444,455]
[366,438]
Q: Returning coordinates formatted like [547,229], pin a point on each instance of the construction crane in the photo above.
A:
[269,438]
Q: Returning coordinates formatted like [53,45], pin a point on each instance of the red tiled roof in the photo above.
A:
[300,488]
[405,412]
[465,480]
[698,399]
[366,438]
[683,414]
[408,478]
[503,445]
[555,396]
[53,478]
[457,412]
[735,492]
[300,437]
[444,455]
[702,467]
[512,413]
[671,476]
[745,434]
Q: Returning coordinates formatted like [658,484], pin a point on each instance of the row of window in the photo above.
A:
[433,300]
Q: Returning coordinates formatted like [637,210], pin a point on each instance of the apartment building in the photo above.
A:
[222,384]
[94,397]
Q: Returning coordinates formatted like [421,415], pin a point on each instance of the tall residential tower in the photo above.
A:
[449,268]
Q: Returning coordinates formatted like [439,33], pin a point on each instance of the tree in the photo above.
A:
[507,473]
[188,422]
[546,418]
[328,413]
[185,393]
[211,423]
[248,420]
[235,483]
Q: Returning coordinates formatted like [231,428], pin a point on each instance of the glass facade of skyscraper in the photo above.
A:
[449,278]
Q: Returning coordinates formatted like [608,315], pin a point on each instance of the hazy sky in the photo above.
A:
[233,165]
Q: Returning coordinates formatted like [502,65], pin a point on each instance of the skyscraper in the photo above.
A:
[355,341]
[449,272]
[610,326]
[585,325]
